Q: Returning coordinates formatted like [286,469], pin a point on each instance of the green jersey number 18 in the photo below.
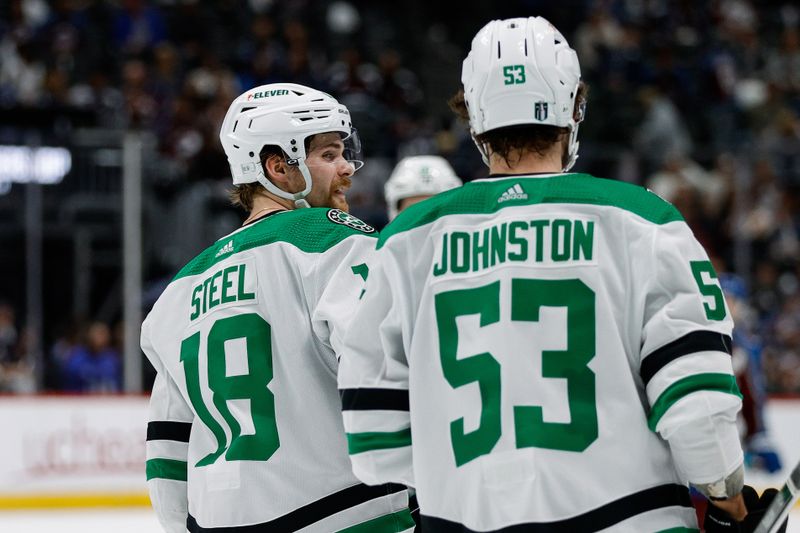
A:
[252,386]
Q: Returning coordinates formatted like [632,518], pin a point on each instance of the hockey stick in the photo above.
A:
[782,504]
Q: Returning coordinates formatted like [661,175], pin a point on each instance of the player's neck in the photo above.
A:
[527,163]
[263,205]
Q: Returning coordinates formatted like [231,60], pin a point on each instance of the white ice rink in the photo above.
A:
[126,521]
[136,520]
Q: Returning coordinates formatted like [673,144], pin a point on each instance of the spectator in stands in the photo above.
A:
[93,366]
[138,27]
[662,133]
[8,332]
[17,371]
[16,368]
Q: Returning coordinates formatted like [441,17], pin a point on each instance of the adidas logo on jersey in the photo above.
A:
[513,193]
[228,248]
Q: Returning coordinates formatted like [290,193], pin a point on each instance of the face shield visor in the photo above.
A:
[352,149]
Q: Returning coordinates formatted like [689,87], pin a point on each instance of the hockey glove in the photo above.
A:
[718,521]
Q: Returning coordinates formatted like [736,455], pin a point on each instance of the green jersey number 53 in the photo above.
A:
[528,296]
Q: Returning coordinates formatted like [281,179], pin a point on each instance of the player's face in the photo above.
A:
[330,172]
[411,200]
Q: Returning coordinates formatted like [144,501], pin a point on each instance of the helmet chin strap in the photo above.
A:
[572,149]
[299,198]
[482,148]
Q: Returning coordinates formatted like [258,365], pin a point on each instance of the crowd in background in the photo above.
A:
[698,100]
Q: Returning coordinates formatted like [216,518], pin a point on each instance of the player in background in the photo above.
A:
[414,179]
[542,350]
[760,452]
[245,432]
[417,178]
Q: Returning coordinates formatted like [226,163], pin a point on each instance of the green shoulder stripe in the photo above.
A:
[710,381]
[166,469]
[490,196]
[312,230]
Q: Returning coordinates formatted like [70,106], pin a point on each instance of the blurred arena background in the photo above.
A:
[112,177]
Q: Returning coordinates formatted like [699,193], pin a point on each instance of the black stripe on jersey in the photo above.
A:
[308,514]
[600,518]
[374,399]
[177,431]
[696,341]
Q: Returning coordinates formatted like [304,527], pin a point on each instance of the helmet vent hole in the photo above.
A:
[251,154]
[235,124]
[235,146]
[498,50]
[526,47]
[248,108]
[298,93]
[556,41]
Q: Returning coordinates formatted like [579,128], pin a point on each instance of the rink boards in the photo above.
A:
[89,451]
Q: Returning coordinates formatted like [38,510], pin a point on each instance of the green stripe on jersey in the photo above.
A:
[365,442]
[165,469]
[312,230]
[390,523]
[485,197]
[700,382]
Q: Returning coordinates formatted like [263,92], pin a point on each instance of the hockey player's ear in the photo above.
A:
[275,168]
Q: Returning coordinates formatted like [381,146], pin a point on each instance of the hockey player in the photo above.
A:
[245,432]
[759,451]
[417,178]
[547,351]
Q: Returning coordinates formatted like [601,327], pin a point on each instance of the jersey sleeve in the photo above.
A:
[168,428]
[340,275]
[373,382]
[685,358]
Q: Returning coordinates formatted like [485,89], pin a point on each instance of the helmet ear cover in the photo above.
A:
[522,72]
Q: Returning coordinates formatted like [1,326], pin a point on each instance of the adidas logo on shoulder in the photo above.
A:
[513,193]
[228,248]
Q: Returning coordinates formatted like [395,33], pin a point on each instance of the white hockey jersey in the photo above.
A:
[525,350]
[245,431]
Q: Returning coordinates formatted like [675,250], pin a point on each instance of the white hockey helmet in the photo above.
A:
[418,176]
[522,71]
[283,115]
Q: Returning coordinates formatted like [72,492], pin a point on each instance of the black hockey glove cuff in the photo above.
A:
[718,521]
